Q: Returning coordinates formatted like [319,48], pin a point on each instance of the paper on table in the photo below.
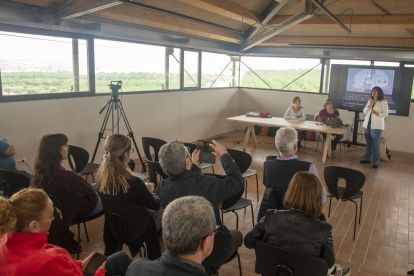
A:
[294,120]
[313,122]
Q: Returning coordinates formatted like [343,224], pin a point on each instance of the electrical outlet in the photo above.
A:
[23,160]
[18,161]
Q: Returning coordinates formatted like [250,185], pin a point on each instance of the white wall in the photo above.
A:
[185,115]
[398,130]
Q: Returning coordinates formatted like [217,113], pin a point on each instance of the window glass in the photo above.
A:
[219,70]
[281,73]
[36,64]
[386,63]
[412,93]
[191,60]
[140,67]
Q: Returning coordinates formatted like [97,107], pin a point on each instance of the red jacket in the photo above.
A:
[25,254]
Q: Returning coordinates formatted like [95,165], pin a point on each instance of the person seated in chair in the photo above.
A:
[185,179]
[329,111]
[278,173]
[49,174]
[298,228]
[116,182]
[25,220]
[189,226]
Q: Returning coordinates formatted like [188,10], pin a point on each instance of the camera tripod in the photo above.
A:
[115,104]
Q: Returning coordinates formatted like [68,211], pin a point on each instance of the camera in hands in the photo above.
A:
[206,155]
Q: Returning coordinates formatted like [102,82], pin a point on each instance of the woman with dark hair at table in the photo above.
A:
[25,219]
[298,229]
[329,111]
[48,173]
[376,111]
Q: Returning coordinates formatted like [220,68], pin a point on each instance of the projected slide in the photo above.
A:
[363,80]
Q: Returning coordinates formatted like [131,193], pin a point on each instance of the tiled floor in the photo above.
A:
[384,242]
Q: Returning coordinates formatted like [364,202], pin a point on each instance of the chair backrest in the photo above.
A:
[215,257]
[156,144]
[354,180]
[79,156]
[310,117]
[133,218]
[242,159]
[192,147]
[270,158]
[230,201]
[154,169]
[13,182]
[68,201]
[275,261]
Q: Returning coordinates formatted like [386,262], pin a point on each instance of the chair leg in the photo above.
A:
[238,258]
[222,217]
[330,202]
[212,167]
[360,211]
[237,222]
[86,232]
[245,189]
[145,250]
[78,239]
[251,205]
[93,178]
[257,187]
[356,214]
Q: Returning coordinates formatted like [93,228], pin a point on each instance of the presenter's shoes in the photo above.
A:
[364,162]
[375,166]
[342,271]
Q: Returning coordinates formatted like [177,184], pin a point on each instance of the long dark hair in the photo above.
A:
[380,93]
[48,158]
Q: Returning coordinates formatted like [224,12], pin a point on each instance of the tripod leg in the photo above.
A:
[101,132]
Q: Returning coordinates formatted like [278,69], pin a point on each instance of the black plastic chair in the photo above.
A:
[13,182]
[354,180]
[275,261]
[243,161]
[69,202]
[131,165]
[154,169]
[156,144]
[202,165]
[233,203]
[80,164]
[214,258]
[133,218]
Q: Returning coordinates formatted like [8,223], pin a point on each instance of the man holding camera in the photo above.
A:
[185,179]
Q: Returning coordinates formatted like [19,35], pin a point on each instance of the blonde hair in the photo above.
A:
[23,207]
[113,174]
[304,193]
[294,100]
[326,102]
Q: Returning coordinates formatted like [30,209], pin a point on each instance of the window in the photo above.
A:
[294,74]
[36,64]
[386,63]
[219,70]
[412,93]
[140,67]
[191,68]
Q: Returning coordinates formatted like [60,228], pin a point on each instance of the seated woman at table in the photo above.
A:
[296,111]
[329,111]
[298,228]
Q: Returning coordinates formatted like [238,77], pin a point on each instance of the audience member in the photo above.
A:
[185,179]
[49,174]
[24,222]
[329,111]
[279,172]
[189,226]
[298,229]
[116,182]
[296,112]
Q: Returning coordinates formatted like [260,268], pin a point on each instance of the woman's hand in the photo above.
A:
[370,101]
[86,261]
[103,266]
[374,112]
[298,116]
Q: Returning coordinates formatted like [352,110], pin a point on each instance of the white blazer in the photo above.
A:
[377,121]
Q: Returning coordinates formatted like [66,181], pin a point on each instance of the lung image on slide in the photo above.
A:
[363,80]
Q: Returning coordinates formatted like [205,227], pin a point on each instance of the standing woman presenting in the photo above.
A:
[296,111]
[376,111]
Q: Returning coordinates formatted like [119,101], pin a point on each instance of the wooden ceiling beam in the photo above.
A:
[130,14]
[339,41]
[225,9]
[327,1]
[358,21]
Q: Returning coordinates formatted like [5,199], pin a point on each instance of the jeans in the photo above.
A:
[336,140]
[372,138]
[117,264]
[98,207]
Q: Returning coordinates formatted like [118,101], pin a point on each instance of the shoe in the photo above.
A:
[342,271]
[364,162]
[375,166]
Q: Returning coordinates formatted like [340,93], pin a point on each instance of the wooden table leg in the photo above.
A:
[246,138]
[326,147]
[253,134]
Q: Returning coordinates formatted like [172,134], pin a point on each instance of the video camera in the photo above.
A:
[206,155]
[115,86]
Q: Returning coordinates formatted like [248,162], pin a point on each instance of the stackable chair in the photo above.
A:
[78,161]
[155,170]
[13,182]
[155,144]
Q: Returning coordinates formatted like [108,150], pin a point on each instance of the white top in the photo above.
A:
[377,121]
[291,114]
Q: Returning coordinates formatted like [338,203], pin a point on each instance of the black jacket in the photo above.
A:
[296,231]
[213,189]
[167,265]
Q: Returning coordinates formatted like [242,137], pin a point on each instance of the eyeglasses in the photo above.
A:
[132,150]
[214,232]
